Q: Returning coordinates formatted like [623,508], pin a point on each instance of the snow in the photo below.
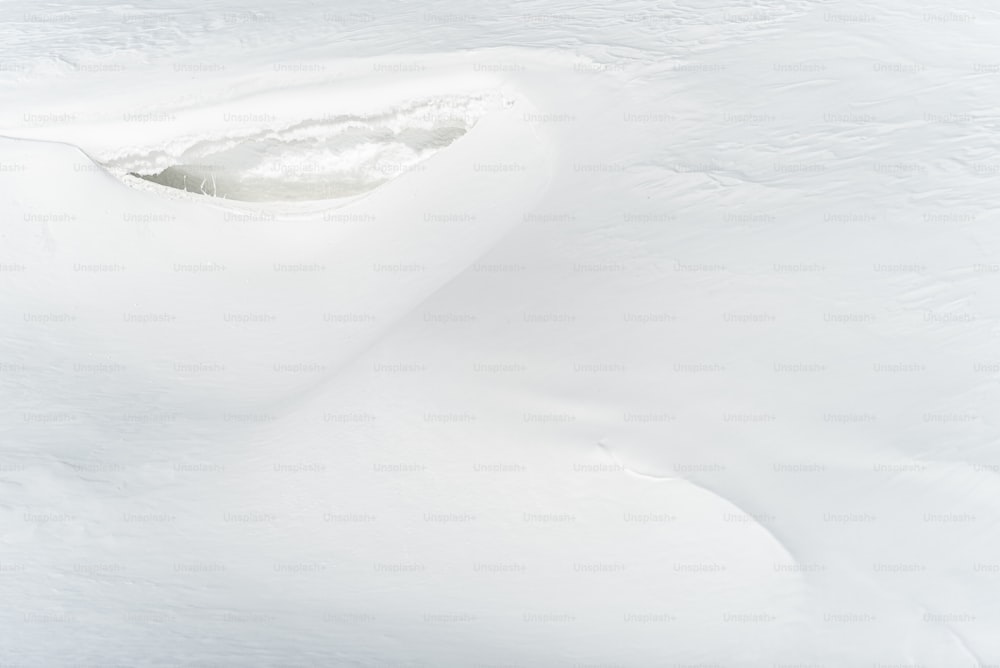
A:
[659,334]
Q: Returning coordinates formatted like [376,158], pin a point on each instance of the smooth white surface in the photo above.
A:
[685,354]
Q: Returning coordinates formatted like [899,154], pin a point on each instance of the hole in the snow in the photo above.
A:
[315,159]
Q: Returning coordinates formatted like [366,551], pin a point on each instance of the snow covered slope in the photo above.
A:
[537,334]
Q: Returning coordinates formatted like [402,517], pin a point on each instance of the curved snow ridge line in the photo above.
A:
[252,95]
[782,544]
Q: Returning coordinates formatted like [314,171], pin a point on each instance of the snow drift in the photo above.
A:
[537,335]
